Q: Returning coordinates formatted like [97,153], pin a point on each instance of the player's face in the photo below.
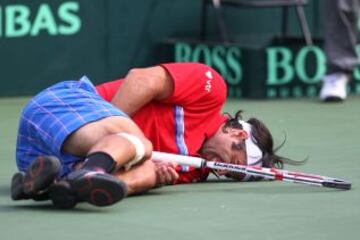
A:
[226,146]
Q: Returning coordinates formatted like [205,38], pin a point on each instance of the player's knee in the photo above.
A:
[148,148]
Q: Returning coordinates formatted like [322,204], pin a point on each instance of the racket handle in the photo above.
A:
[179,159]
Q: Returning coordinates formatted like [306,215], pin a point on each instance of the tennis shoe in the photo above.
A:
[17,190]
[334,87]
[34,183]
[97,188]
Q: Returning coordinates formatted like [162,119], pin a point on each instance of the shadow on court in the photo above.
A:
[224,186]
[47,207]
[261,188]
[4,191]
[9,206]
[286,189]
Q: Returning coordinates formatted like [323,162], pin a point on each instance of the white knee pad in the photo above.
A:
[139,149]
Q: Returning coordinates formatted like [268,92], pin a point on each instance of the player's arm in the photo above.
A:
[147,175]
[141,86]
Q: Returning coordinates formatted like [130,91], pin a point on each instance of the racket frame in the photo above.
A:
[266,173]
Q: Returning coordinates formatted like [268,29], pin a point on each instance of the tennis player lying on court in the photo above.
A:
[100,155]
[178,108]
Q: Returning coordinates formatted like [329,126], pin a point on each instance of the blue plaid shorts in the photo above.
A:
[52,115]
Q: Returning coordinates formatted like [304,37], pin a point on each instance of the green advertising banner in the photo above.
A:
[46,41]
[42,42]
[273,71]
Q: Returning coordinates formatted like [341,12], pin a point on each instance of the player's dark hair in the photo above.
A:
[264,140]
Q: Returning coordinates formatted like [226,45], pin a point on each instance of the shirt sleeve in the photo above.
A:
[195,84]
[108,90]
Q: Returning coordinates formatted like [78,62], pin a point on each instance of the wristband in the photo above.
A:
[139,149]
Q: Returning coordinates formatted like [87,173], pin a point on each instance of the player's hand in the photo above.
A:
[165,173]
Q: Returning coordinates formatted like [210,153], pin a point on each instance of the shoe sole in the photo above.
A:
[333,99]
[61,195]
[41,174]
[17,183]
[98,190]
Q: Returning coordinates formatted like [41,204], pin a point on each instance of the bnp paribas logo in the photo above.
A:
[20,20]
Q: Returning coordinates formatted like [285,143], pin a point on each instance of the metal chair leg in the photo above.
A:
[303,24]
[220,21]
[204,14]
[284,24]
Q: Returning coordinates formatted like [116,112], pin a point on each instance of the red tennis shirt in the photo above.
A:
[182,122]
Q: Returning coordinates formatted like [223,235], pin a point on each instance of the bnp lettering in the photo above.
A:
[20,20]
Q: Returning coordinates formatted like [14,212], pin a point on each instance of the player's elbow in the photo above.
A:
[155,80]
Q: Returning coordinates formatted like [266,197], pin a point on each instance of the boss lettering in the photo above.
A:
[226,60]
[284,65]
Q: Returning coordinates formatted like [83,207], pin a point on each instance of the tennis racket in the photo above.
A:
[266,173]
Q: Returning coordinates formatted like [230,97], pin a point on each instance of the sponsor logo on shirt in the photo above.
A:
[209,78]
